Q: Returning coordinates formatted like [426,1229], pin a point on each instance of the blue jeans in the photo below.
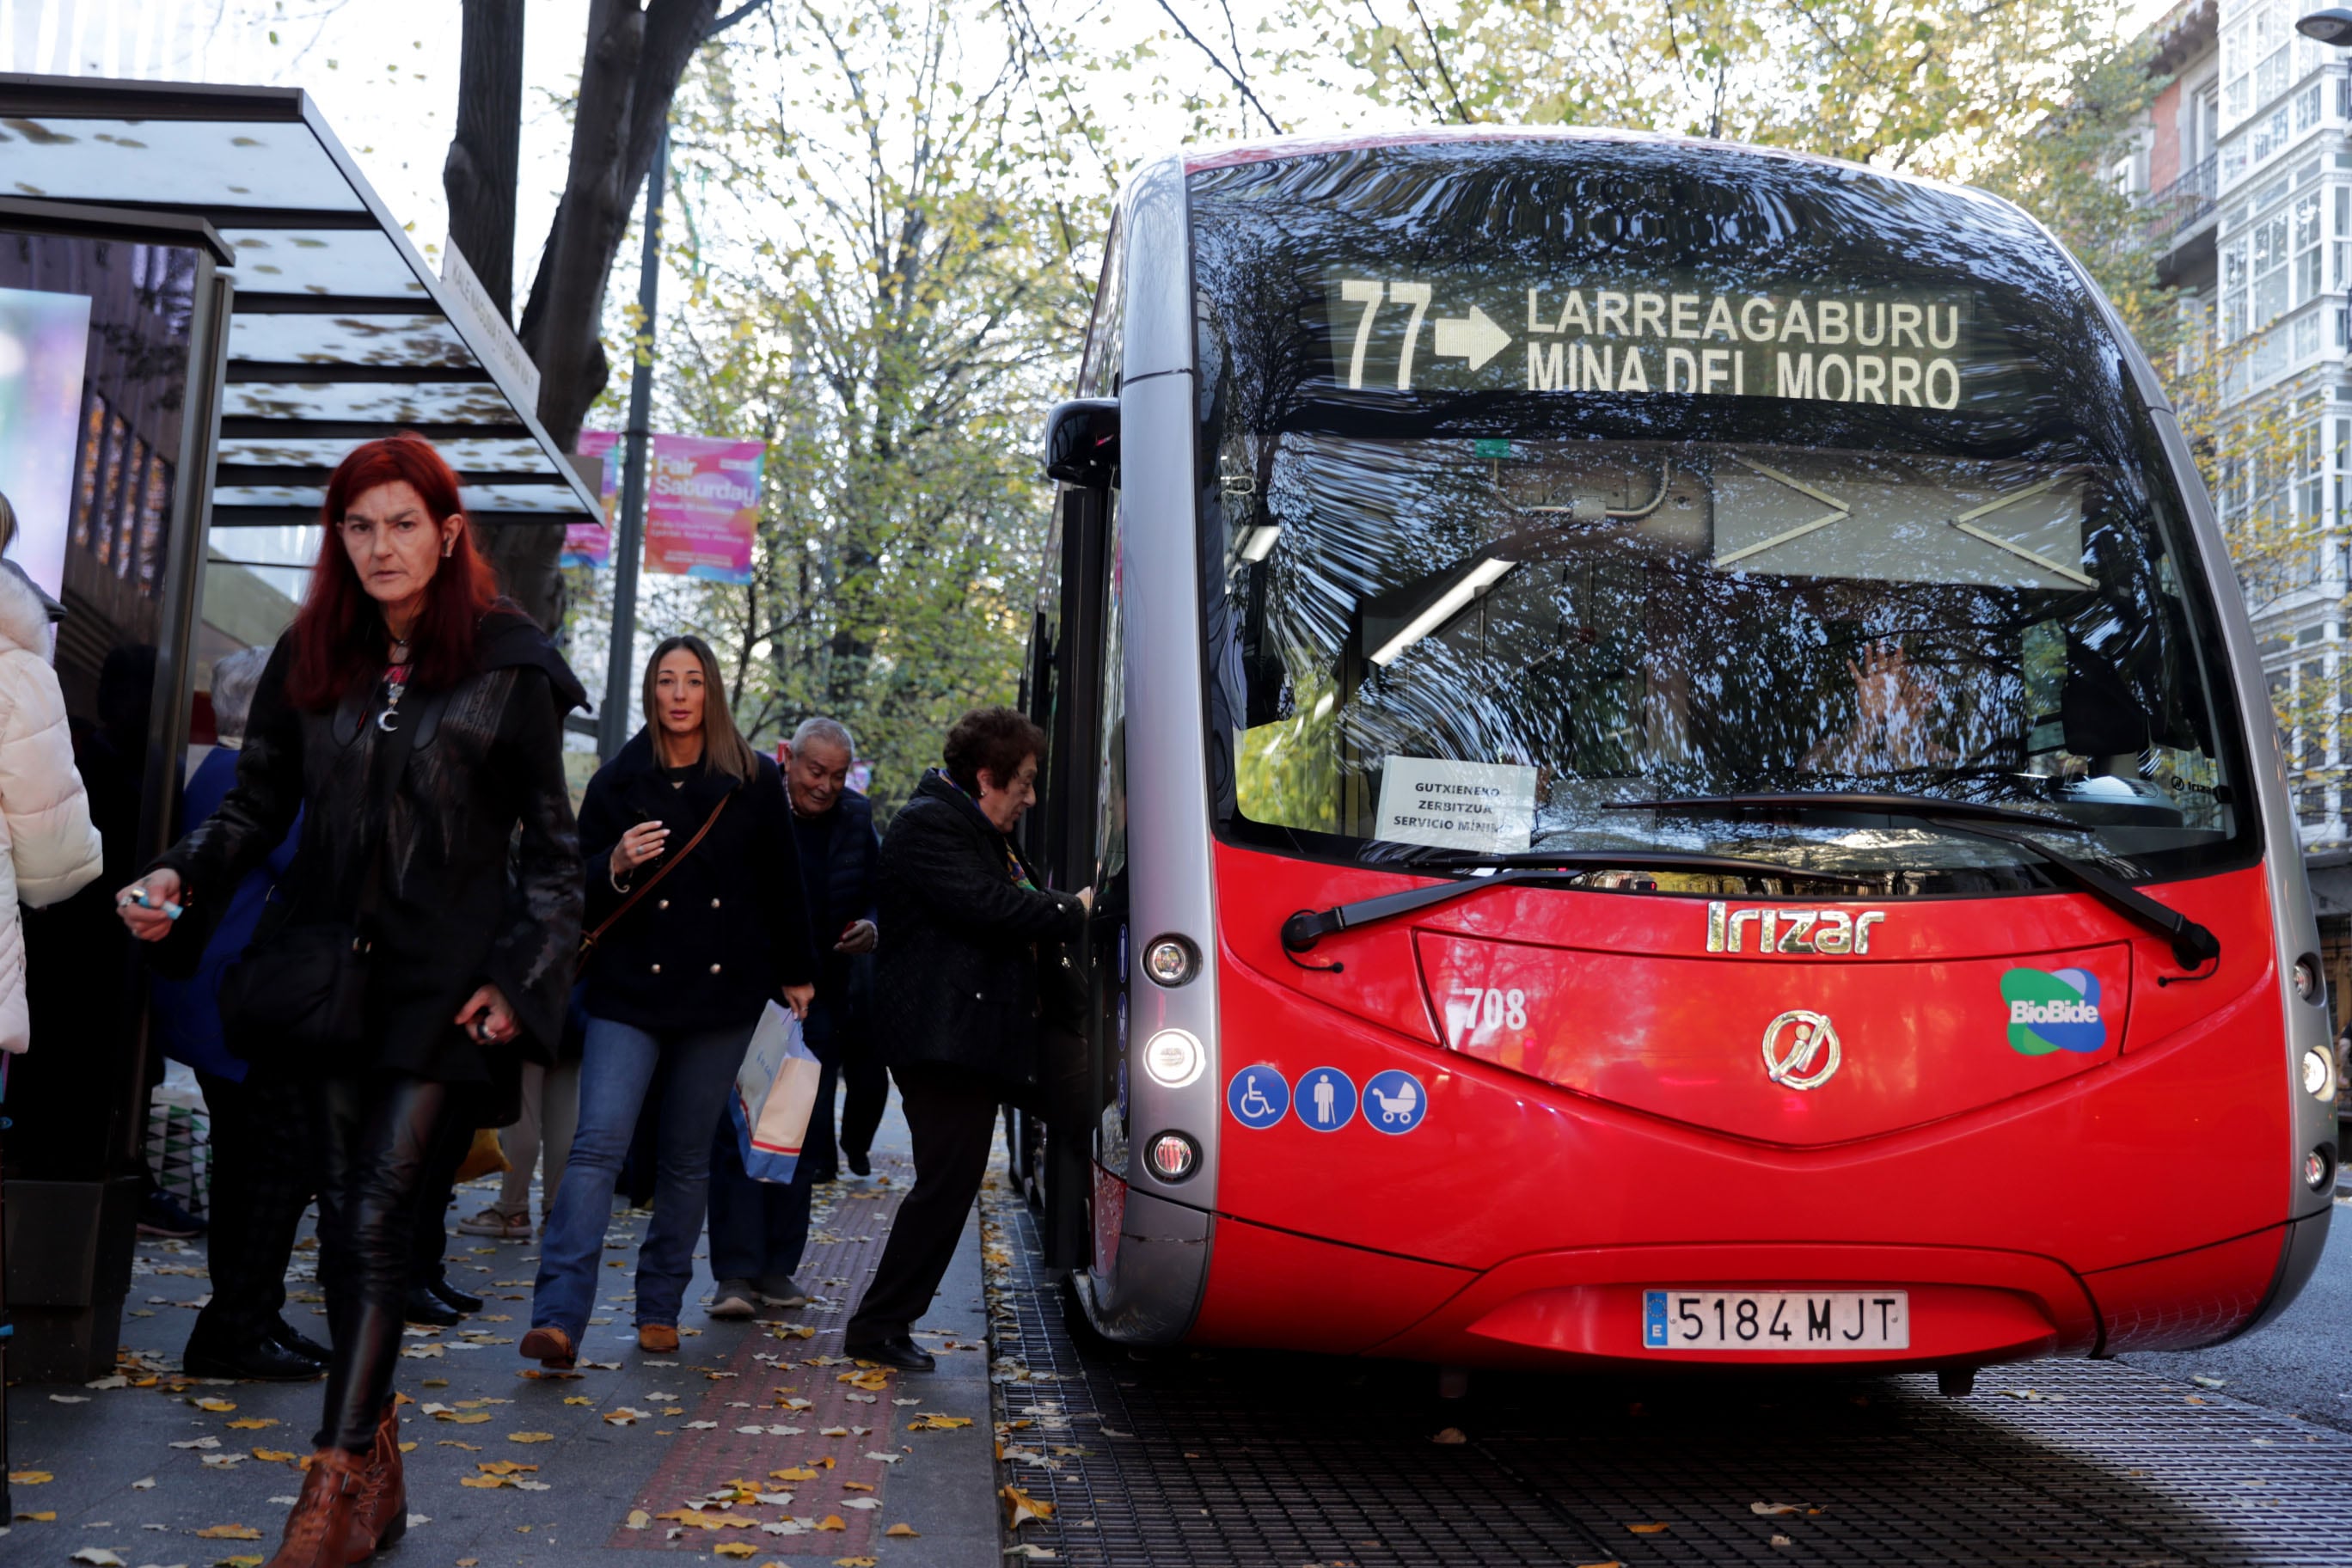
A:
[698,1068]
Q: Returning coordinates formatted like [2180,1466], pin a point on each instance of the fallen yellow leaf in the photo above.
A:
[30,1477]
[797,1473]
[453,1443]
[904,1531]
[930,1423]
[228,1532]
[857,1487]
[482,1483]
[831,1521]
[252,1423]
[638,1518]
[734,1549]
[578,1399]
[504,1467]
[459,1418]
[46,1516]
[1646,1529]
[854,1562]
[238,1563]
[272,1456]
[217,1407]
[1021,1507]
[531,1436]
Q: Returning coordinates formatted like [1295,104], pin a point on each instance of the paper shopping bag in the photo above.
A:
[775,1094]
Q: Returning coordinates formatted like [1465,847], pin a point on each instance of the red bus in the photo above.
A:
[1678,774]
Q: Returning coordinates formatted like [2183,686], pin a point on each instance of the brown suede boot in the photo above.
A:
[383,1490]
[551,1348]
[324,1530]
[657,1339]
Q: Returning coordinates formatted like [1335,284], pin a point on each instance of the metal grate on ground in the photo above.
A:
[1249,1459]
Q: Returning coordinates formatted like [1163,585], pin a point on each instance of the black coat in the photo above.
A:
[853,891]
[728,928]
[462,901]
[956,978]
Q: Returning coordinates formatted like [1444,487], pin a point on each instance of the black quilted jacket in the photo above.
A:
[466,900]
[956,975]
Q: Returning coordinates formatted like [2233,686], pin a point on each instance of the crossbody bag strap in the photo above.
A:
[588,942]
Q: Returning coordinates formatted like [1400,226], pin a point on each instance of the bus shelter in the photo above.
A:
[202,306]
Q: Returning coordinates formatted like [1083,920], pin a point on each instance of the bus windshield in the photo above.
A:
[1554,479]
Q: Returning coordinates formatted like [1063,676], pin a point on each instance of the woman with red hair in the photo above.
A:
[410,960]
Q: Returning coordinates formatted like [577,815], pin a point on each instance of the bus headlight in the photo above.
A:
[1173,1059]
[2317,1167]
[1173,1156]
[2306,978]
[2316,1074]
[1171,961]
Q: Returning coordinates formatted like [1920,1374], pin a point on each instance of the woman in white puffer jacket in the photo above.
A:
[48,850]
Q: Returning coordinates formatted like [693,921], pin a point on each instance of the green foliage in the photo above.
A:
[901,290]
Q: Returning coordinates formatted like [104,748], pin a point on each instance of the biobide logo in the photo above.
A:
[2052,1010]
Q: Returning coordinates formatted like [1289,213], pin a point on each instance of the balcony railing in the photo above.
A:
[2183,202]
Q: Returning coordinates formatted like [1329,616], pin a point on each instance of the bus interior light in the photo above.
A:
[2307,984]
[2317,1073]
[1445,608]
[1174,1156]
[1173,1059]
[1171,961]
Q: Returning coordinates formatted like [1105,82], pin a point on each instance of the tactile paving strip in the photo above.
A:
[736,1389]
[1253,1459]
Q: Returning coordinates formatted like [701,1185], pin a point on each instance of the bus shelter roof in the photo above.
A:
[340,331]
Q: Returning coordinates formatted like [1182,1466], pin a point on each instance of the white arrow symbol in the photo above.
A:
[1475,337]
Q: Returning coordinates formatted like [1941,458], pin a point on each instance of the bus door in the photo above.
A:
[1074,669]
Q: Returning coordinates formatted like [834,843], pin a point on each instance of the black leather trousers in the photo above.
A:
[376,1136]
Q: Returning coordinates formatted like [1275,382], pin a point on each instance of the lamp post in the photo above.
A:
[629,542]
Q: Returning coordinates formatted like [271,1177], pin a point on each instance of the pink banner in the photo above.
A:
[703,506]
[589,544]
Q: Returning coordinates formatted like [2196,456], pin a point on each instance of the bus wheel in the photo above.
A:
[1956,1383]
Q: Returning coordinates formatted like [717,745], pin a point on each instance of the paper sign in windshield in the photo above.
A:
[1486,807]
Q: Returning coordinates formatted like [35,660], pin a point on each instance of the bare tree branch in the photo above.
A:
[1230,75]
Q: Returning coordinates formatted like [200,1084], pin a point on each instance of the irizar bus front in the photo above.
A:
[1768,611]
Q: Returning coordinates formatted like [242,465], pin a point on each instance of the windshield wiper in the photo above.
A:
[1307,927]
[2194,945]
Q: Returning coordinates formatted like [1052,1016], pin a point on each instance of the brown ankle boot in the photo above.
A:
[382,1509]
[324,1530]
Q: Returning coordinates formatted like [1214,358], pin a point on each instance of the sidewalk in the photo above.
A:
[756,1441]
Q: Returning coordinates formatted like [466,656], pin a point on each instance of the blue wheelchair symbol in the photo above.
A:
[1326,1098]
[1257,1096]
[1394,1102]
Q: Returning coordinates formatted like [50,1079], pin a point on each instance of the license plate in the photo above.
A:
[1776,1319]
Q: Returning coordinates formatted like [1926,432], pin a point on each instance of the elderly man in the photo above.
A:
[759,1229]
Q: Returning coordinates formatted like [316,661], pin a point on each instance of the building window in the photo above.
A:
[2271,256]
[2306,250]
[2306,108]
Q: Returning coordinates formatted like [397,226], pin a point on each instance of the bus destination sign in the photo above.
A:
[1886,348]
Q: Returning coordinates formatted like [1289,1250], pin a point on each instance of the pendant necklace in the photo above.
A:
[395,684]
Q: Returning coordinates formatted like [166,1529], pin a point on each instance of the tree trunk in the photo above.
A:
[480,175]
[634,58]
